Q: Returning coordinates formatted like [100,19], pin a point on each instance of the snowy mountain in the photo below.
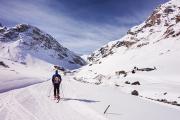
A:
[145,59]
[27,44]
[163,24]
[143,63]
[28,56]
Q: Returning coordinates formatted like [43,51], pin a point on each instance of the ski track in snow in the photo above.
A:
[154,44]
[79,102]
[33,103]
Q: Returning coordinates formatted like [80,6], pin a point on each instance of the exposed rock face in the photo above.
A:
[177,18]
[24,39]
[108,50]
[163,23]
[3,64]
[168,10]
[153,19]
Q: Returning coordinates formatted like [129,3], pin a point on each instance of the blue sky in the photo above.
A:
[80,25]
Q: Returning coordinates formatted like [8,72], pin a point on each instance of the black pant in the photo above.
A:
[56,89]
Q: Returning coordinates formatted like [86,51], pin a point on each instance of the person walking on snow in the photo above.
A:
[56,80]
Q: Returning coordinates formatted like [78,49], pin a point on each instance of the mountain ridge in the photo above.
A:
[145,60]
[161,24]
[23,41]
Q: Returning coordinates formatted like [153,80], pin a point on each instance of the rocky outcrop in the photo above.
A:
[153,19]
[122,72]
[135,93]
[142,44]
[2,30]
[136,83]
[108,50]
[127,82]
[168,10]
[177,18]
[3,64]
[165,101]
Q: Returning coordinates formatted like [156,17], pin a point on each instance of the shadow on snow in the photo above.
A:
[80,100]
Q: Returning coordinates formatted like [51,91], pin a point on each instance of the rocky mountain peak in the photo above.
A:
[162,24]
[23,39]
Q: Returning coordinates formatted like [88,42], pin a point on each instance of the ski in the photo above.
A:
[58,99]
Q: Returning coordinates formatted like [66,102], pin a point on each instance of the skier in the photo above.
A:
[56,80]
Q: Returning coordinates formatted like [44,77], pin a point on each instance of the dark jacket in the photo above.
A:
[53,78]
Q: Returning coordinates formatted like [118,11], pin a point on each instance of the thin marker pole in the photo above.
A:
[106,109]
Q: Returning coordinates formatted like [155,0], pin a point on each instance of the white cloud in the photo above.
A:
[134,18]
[76,35]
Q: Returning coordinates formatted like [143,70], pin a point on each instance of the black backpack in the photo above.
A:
[57,79]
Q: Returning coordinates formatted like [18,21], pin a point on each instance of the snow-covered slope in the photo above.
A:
[28,44]
[80,102]
[16,75]
[113,69]
[28,56]
[149,53]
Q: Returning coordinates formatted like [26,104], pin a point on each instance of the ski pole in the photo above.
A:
[50,92]
[62,91]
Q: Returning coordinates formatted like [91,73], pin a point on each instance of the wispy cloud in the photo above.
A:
[134,18]
[76,35]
